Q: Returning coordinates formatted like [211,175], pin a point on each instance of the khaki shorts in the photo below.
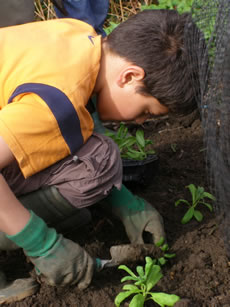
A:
[83,178]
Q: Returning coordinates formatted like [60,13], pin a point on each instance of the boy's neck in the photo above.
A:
[110,65]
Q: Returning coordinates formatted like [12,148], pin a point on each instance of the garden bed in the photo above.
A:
[200,271]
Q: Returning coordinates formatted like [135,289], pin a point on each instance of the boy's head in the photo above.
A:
[148,52]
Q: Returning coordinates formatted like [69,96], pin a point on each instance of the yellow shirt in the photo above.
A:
[48,72]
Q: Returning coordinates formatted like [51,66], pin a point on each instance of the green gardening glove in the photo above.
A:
[58,261]
[136,214]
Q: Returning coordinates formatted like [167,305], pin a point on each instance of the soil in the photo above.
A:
[200,271]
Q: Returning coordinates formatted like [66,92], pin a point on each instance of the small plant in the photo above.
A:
[111,27]
[198,196]
[180,5]
[146,279]
[174,147]
[166,255]
[131,147]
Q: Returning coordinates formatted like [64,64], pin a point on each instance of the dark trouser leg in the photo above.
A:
[53,208]
[60,193]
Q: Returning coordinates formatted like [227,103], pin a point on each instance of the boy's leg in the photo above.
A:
[53,208]
[84,179]
[60,193]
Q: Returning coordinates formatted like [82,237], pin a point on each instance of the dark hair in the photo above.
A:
[154,40]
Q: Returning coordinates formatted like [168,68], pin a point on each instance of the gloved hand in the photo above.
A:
[66,263]
[136,214]
[58,261]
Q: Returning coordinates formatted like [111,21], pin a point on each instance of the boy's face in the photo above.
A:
[128,105]
[116,87]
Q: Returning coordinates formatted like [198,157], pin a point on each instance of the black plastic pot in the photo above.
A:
[140,171]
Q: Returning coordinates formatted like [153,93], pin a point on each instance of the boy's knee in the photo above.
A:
[89,175]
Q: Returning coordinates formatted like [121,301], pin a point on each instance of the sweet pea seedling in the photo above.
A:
[131,147]
[198,196]
[145,279]
[165,249]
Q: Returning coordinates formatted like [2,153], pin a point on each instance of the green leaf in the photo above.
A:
[135,155]
[193,191]
[188,216]
[111,27]
[169,256]
[125,268]
[131,288]
[153,277]
[135,151]
[150,152]
[139,282]
[198,215]
[160,242]
[164,299]
[208,195]
[149,263]
[126,278]
[208,205]
[120,130]
[124,132]
[140,271]
[137,301]
[119,143]
[141,149]
[140,138]
[148,142]
[165,247]
[182,201]
[128,142]
[149,7]
[121,297]
[162,260]
[200,194]
[110,134]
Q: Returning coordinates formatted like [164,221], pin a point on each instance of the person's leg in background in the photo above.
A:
[90,11]
[14,12]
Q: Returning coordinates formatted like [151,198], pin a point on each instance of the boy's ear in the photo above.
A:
[130,75]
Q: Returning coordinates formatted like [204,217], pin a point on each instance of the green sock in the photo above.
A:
[36,238]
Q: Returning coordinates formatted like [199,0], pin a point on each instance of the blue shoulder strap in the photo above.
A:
[62,109]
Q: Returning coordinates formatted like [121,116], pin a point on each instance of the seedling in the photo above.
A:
[165,248]
[180,5]
[111,27]
[131,147]
[145,279]
[198,196]
[174,147]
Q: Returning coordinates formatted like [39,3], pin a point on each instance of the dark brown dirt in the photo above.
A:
[200,271]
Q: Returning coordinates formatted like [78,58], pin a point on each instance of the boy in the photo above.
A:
[57,66]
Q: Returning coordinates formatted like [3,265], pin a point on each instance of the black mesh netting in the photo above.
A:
[210,52]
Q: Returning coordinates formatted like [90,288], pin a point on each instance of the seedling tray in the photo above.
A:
[140,171]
